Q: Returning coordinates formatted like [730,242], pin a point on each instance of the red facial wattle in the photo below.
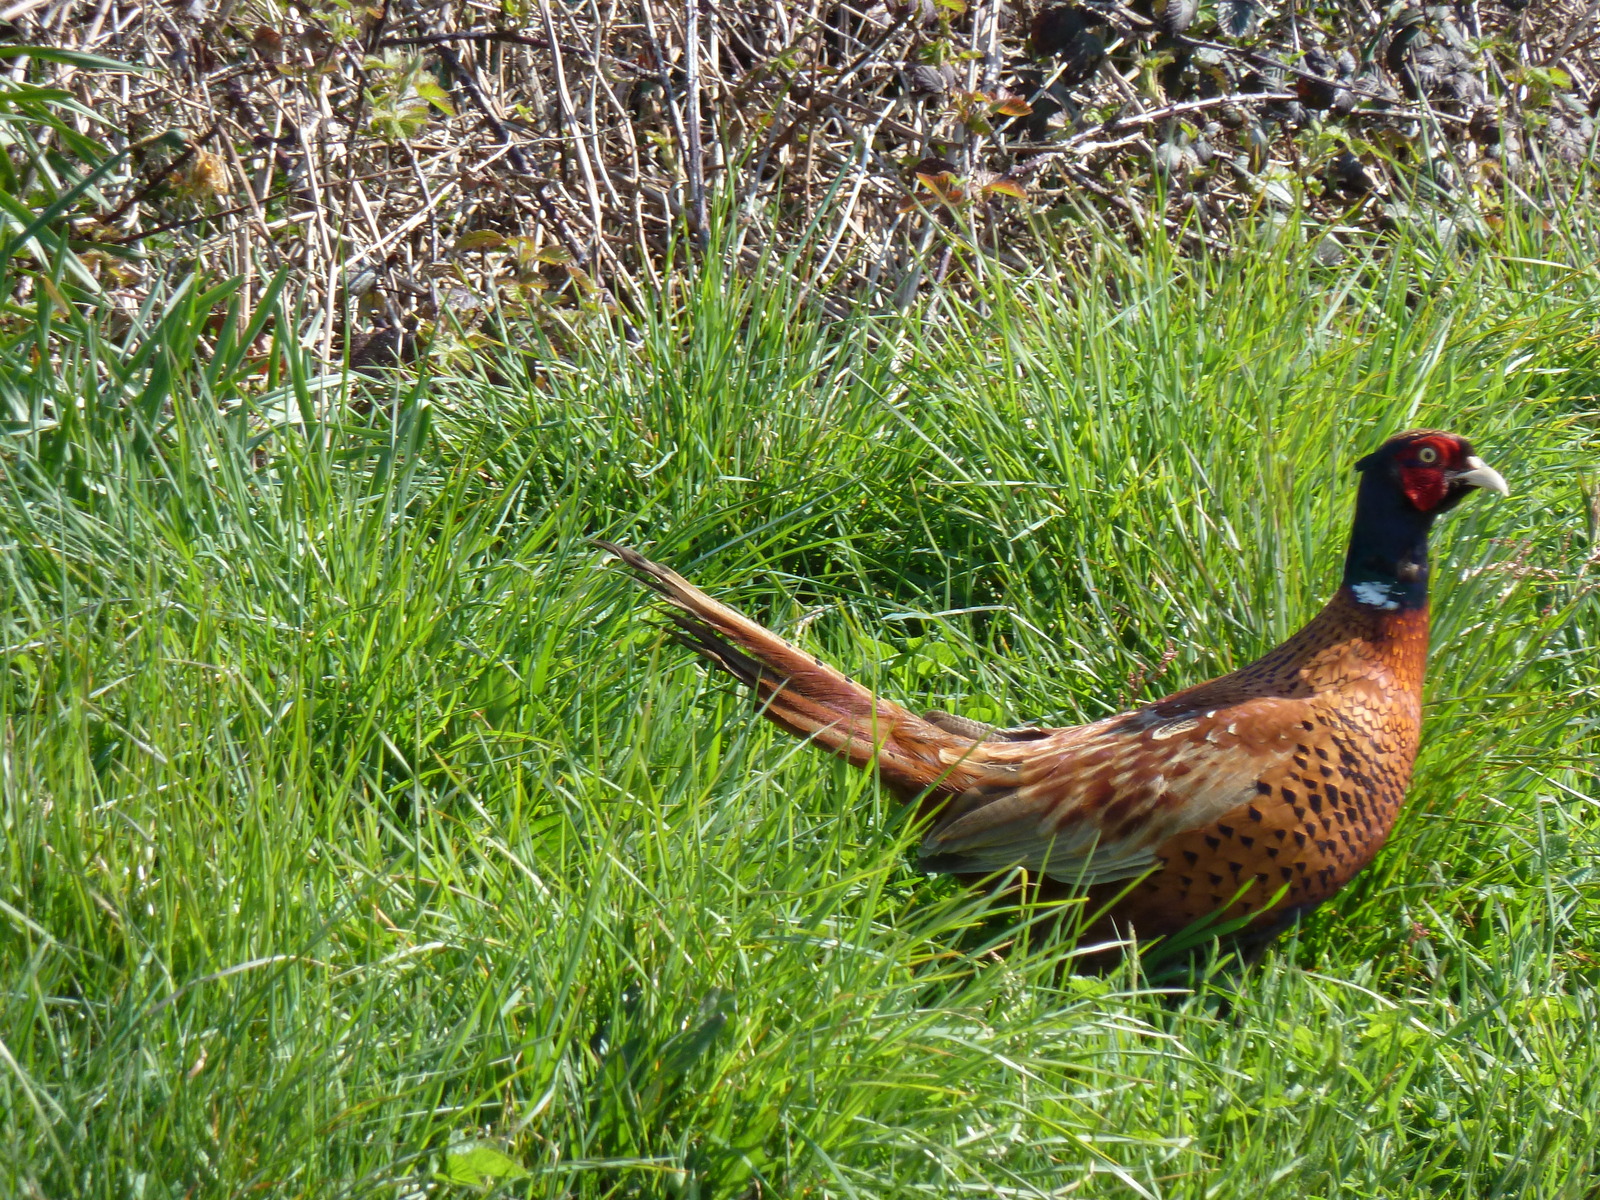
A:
[1425,482]
[1425,487]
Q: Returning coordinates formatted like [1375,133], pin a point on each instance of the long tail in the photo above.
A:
[810,699]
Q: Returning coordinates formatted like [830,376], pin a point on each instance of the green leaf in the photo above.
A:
[76,58]
[480,239]
[435,95]
[477,1163]
[59,206]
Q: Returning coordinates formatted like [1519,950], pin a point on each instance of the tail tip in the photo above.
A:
[631,557]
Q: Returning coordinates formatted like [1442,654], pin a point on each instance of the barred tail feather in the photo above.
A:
[804,695]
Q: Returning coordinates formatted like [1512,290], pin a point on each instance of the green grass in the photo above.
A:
[360,836]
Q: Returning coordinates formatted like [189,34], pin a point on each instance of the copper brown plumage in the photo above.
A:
[1246,799]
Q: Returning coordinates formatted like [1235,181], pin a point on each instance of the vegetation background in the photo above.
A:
[359,836]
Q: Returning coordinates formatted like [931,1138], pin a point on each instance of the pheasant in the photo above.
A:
[1242,802]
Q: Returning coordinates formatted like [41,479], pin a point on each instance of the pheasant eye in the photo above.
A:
[1428,455]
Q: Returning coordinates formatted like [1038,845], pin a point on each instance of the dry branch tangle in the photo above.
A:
[412,160]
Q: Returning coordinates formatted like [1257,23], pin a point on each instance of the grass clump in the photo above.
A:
[360,838]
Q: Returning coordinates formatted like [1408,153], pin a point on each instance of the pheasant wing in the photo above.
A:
[1092,804]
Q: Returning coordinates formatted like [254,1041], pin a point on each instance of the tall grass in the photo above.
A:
[360,836]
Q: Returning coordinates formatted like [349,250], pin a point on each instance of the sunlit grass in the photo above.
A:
[361,835]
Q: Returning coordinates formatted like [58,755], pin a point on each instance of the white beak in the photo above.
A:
[1478,474]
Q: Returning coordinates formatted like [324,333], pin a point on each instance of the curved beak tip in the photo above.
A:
[1480,474]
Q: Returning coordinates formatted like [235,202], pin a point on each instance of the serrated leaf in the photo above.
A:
[1013,106]
[528,252]
[1237,18]
[436,96]
[943,185]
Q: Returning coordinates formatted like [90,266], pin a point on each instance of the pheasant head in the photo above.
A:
[1405,484]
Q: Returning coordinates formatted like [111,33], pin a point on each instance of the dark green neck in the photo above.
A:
[1387,564]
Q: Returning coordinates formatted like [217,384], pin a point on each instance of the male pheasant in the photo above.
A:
[1245,800]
